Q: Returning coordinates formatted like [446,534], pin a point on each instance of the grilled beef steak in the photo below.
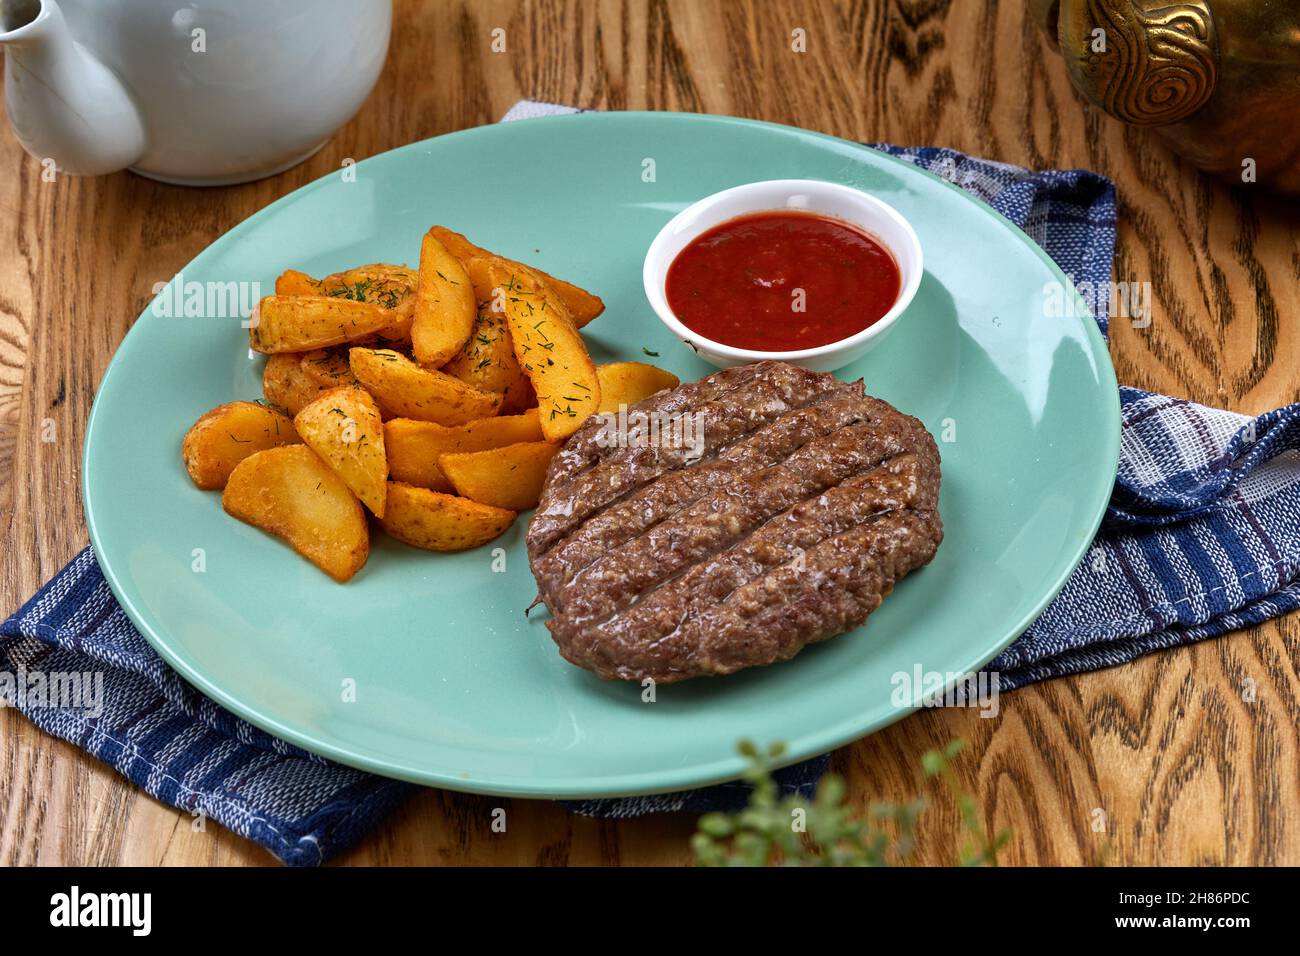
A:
[788,517]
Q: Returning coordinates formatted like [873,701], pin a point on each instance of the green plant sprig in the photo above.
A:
[792,831]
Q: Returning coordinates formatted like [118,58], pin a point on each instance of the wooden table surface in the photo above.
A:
[1183,769]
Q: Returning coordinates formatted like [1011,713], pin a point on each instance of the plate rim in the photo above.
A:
[663,780]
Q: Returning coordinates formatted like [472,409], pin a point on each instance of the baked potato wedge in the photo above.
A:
[343,426]
[379,282]
[328,368]
[550,351]
[444,306]
[507,477]
[626,383]
[488,363]
[404,389]
[484,272]
[479,270]
[285,383]
[413,447]
[293,282]
[300,323]
[387,286]
[439,522]
[583,306]
[292,493]
[229,433]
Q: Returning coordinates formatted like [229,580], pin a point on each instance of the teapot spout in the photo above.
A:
[66,107]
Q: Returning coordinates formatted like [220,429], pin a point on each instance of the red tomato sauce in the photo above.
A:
[782,280]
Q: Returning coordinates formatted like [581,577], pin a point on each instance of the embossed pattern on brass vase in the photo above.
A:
[1218,80]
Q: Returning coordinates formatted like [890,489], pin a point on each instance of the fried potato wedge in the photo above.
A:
[626,383]
[444,306]
[293,494]
[488,363]
[388,286]
[583,306]
[379,282]
[439,522]
[413,447]
[285,383]
[479,270]
[343,426]
[293,282]
[458,245]
[229,433]
[328,368]
[492,298]
[300,323]
[508,477]
[404,389]
[551,353]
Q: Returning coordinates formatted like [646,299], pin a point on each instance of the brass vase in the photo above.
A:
[1218,80]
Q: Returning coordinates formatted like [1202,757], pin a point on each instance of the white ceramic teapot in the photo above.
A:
[203,93]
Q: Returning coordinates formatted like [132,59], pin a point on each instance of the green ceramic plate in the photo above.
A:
[453,686]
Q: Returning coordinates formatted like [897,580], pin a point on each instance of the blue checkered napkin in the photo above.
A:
[129,709]
[1202,537]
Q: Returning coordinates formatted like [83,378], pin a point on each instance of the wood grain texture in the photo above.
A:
[1183,769]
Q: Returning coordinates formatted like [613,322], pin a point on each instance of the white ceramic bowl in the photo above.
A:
[829,199]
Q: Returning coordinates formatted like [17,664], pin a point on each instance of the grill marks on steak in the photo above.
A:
[716,521]
[578,455]
[623,519]
[724,417]
[839,582]
[811,501]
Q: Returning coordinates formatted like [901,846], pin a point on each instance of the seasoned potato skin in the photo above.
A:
[626,383]
[293,494]
[379,282]
[582,305]
[229,433]
[444,306]
[328,368]
[293,282]
[404,389]
[551,352]
[389,286]
[413,447]
[286,384]
[343,426]
[300,323]
[488,363]
[440,522]
[508,477]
